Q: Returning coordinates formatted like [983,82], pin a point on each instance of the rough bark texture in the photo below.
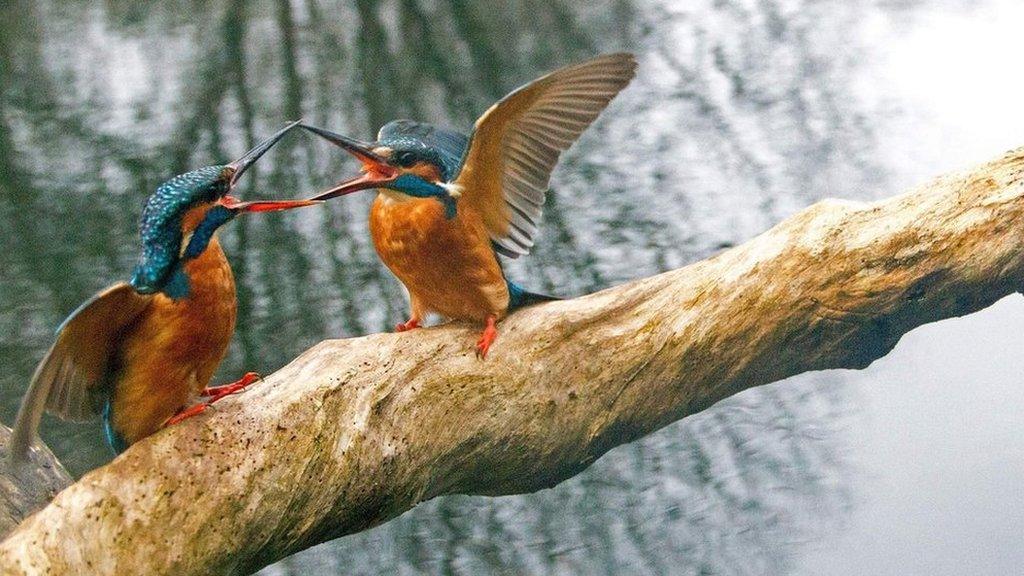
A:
[355,432]
[27,488]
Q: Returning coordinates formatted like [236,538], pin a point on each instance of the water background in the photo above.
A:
[744,112]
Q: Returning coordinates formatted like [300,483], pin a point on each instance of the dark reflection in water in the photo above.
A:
[742,114]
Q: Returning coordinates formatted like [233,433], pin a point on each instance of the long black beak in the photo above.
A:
[361,150]
[376,170]
[250,157]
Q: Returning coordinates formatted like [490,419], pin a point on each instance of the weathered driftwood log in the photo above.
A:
[25,489]
[357,431]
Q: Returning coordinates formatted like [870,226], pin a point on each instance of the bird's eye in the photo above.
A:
[405,159]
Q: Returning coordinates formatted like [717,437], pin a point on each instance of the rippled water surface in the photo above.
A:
[744,112]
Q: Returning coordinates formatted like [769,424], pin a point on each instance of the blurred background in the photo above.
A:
[744,112]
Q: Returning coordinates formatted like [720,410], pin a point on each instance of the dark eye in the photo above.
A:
[404,159]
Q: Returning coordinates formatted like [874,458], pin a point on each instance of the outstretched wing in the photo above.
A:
[517,142]
[76,366]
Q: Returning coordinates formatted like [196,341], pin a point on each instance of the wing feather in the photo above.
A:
[517,142]
[77,366]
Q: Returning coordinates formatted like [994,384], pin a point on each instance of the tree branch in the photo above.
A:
[25,489]
[355,432]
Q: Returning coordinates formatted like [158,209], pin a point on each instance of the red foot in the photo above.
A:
[214,393]
[487,337]
[185,413]
[217,392]
[406,326]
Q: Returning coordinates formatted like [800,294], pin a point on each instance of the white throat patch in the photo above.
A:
[454,190]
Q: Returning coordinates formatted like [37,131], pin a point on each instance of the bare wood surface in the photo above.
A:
[355,432]
[27,487]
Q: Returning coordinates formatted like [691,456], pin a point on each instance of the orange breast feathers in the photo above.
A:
[448,266]
[172,351]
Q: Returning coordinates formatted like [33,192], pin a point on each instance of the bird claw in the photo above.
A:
[185,413]
[487,337]
[217,392]
[213,394]
[406,326]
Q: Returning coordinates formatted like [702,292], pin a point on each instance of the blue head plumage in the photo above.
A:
[402,145]
[159,269]
[413,142]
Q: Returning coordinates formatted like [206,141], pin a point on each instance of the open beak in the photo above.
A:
[249,158]
[376,170]
[242,164]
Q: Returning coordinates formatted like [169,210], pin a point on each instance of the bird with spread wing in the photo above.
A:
[448,204]
[139,352]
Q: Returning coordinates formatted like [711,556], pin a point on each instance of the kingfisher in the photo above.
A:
[139,352]
[448,204]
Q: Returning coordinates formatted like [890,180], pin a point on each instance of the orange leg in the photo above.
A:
[416,316]
[214,393]
[487,337]
[185,413]
[406,326]
[218,392]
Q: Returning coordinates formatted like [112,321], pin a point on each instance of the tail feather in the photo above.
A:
[519,298]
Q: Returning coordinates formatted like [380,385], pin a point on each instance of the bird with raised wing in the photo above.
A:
[448,204]
[139,352]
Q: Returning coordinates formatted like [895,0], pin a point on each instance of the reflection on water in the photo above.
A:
[742,114]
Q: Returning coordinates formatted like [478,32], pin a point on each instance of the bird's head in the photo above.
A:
[414,159]
[182,215]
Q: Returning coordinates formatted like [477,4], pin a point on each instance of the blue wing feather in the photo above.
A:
[114,439]
[519,297]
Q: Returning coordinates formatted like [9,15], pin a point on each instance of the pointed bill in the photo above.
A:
[249,158]
[376,169]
